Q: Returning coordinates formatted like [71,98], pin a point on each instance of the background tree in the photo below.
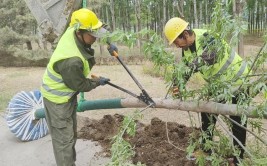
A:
[18,21]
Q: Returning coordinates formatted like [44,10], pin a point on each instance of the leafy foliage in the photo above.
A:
[121,149]
[17,26]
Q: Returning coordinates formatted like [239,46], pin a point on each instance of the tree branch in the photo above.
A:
[263,141]
[195,106]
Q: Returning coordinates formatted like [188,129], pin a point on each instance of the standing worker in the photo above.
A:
[212,64]
[65,77]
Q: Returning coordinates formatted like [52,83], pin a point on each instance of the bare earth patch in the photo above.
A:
[151,143]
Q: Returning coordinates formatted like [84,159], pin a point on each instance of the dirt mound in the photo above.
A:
[152,144]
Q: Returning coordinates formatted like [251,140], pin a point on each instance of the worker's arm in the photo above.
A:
[207,58]
[178,85]
[193,66]
[71,71]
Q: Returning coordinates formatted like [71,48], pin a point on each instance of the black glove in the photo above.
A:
[111,49]
[103,81]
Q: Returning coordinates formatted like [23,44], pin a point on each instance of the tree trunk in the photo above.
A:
[257,18]
[200,21]
[239,8]
[112,15]
[127,17]
[163,20]
[180,8]
[137,9]
[107,15]
[29,45]
[192,106]
[195,14]
[206,12]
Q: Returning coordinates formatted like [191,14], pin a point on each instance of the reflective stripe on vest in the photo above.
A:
[56,92]
[50,75]
[231,62]
[53,87]
[53,91]
[242,69]
[226,65]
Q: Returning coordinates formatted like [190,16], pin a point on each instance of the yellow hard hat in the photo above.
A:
[173,28]
[85,19]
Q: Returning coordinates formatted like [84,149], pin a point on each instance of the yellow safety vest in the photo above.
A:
[230,67]
[53,87]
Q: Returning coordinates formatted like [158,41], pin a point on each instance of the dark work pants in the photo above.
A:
[238,132]
[62,124]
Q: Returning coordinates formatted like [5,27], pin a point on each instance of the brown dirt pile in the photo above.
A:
[151,144]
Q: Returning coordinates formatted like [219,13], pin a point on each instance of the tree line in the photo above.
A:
[18,26]
[134,15]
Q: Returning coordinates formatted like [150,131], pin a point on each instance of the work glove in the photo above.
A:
[111,49]
[103,81]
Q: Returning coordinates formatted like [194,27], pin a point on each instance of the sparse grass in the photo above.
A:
[253,39]
[17,74]
[259,150]
[148,68]
[122,50]
[4,99]
[5,95]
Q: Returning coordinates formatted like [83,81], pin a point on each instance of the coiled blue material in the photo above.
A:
[21,119]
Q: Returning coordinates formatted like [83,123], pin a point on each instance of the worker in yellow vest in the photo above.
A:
[66,76]
[227,66]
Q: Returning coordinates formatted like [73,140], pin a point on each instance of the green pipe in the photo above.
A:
[88,105]
[99,104]
[39,113]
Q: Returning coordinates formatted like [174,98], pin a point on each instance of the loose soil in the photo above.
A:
[152,144]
